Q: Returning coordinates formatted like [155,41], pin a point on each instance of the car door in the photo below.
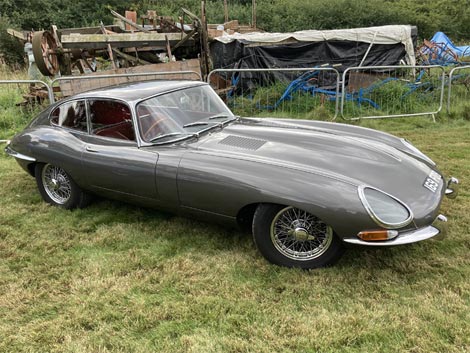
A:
[111,159]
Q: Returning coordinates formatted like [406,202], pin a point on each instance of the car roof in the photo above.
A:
[138,90]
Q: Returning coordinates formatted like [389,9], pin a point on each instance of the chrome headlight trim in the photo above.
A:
[375,217]
[416,152]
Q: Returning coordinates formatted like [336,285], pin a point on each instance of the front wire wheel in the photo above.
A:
[57,184]
[57,187]
[291,237]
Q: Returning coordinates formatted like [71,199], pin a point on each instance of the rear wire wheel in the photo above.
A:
[288,236]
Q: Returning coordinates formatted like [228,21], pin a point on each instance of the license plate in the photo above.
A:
[432,181]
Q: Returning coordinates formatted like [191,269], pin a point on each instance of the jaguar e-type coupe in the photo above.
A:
[304,188]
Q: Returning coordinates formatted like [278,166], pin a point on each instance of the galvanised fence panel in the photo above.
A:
[459,86]
[391,91]
[311,93]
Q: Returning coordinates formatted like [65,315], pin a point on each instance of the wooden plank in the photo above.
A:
[130,57]
[17,34]
[88,30]
[71,87]
[129,22]
[185,39]
[232,25]
[121,40]
[110,49]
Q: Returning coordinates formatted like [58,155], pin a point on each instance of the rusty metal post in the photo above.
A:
[205,65]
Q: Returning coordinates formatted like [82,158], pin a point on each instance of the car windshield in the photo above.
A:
[183,113]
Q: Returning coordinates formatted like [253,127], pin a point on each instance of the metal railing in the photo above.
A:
[375,92]
[10,122]
[280,90]
[50,94]
[454,78]
[114,79]
[359,93]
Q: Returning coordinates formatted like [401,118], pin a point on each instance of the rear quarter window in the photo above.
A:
[71,115]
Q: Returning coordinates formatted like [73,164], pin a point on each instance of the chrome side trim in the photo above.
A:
[13,153]
[452,189]
[437,230]
[372,214]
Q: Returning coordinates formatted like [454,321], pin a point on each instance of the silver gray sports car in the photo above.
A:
[304,188]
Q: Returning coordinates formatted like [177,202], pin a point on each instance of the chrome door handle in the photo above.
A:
[91,149]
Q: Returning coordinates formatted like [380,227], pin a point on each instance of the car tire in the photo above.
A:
[58,188]
[288,236]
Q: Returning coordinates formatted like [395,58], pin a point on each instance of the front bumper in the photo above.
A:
[452,189]
[437,230]
[11,152]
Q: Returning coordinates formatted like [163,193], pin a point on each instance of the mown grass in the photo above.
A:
[119,278]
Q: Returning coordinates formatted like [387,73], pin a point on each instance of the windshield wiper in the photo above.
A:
[185,135]
[196,123]
[220,116]
[229,118]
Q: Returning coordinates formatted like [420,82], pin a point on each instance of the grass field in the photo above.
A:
[118,278]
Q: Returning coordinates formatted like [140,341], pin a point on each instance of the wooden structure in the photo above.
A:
[70,87]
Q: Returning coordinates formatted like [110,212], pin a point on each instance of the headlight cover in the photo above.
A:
[417,152]
[387,211]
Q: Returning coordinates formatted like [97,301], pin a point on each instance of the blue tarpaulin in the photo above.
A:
[446,44]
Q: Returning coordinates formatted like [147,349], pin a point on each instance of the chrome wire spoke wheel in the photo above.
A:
[56,183]
[300,235]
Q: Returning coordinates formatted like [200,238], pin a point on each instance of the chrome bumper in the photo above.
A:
[452,189]
[437,230]
[13,153]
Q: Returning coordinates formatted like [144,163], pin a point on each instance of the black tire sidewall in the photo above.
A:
[262,220]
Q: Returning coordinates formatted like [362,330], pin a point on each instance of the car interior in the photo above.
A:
[111,119]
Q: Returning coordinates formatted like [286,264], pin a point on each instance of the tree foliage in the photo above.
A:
[452,17]
[9,46]
[449,16]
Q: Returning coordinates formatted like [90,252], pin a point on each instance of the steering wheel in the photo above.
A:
[153,127]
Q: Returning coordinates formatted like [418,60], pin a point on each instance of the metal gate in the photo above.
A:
[375,92]
[311,93]
[459,84]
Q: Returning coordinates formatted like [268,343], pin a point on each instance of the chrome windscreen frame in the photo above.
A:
[374,216]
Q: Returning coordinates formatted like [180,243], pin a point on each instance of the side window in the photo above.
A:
[71,115]
[110,118]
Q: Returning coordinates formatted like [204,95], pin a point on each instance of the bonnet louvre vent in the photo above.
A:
[242,142]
